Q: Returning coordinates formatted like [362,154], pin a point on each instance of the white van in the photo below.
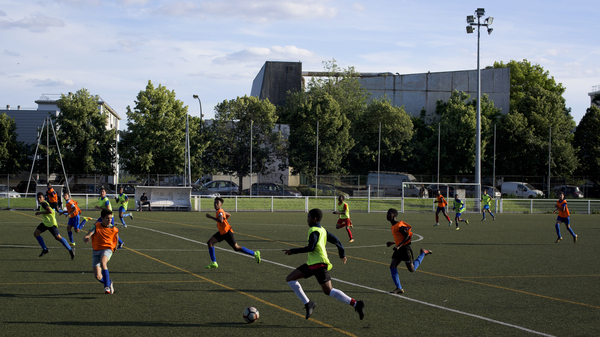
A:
[520,189]
[390,185]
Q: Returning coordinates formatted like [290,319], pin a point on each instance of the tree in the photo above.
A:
[396,132]
[13,154]
[302,112]
[234,120]
[154,141]
[587,141]
[86,145]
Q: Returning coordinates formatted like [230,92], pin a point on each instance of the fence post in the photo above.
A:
[589,207]
[272,203]
[531,206]
[306,204]
[501,204]
[402,205]
[369,200]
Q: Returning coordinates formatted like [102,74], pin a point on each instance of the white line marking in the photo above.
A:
[362,286]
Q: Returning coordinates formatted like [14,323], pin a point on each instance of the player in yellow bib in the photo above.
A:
[318,265]
[122,199]
[49,224]
[486,200]
[344,220]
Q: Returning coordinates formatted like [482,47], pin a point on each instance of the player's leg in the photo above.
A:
[292,281]
[568,224]
[211,250]
[230,238]
[108,286]
[395,277]
[447,217]
[121,211]
[419,259]
[557,227]
[37,234]
[59,238]
[359,306]
[437,216]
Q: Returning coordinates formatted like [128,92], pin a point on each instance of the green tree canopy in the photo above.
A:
[86,143]
[587,141]
[154,141]
[13,153]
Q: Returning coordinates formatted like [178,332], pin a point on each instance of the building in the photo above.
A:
[595,91]
[413,91]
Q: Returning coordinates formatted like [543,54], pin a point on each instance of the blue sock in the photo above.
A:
[41,241]
[101,280]
[492,214]
[571,231]
[70,236]
[557,229]
[65,243]
[483,215]
[247,251]
[126,215]
[123,222]
[82,224]
[396,278]
[105,278]
[211,252]
[120,241]
[418,261]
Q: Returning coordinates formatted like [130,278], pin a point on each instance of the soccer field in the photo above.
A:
[494,278]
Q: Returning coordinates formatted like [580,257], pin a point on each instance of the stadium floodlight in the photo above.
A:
[199,102]
[471,29]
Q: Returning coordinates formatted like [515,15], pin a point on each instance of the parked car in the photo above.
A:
[520,189]
[21,186]
[90,188]
[570,191]
[272,189]
[205,192]
[128,188]
[447,191]
[492,191]
[390,184]
[224,187]
[6,192]
[326,189]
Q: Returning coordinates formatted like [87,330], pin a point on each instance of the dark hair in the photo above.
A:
[105,212]
[102,189]
[393,211]
[219,199]
[40,193]
[341,198]
[316,213]
[49,185]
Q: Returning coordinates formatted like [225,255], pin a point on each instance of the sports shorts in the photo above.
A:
[97,256]
[53,230]
[404,254]
[228,237]
[565,220]
[74,222]
[458,215]
[320,273]
[343,223]
[122,209]
[486,207]
[441,209]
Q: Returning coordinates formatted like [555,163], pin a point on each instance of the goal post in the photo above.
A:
[465,191]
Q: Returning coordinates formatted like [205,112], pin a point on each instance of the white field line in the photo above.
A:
[366,287]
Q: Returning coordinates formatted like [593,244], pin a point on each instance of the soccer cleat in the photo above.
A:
[436,224]
[483,219]
[256,256]
[351,240]
[467,221]
[397,291]
[310,306]
[212,265]
[449,223]
[72,253]
[457,228]
[131,215]
[120,245]
[107,290]
[558,240]
[360,308]
[87,219]
[112,289]
[426,251]
[72,244]
[44,252]
[493,218]
[575,239]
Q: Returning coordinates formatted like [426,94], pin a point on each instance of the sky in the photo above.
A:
[215,49]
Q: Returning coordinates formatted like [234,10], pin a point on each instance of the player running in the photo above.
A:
[402,250]
[49,224]
[225,233]
[344,220]
[104,237]
[104,204]
[563,216]
[459,207]
[487,201]
[122,199]
[442,203]
[73,213]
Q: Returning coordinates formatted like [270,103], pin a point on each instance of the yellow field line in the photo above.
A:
[240,292]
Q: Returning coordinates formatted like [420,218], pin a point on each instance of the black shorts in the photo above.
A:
[404,254]
[227,237]
[321,274]
[53,230]
[53,205]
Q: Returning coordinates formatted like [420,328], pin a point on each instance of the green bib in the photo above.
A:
[319,255]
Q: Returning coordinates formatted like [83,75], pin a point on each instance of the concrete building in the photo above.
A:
[413,91]
[595,91]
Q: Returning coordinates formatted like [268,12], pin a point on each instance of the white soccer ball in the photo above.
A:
[251,314]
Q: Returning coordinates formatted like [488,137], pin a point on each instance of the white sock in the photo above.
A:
[340,296]
[297,288]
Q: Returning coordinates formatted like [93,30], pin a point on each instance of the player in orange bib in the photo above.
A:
[442,203]
[563,216]
[104,237]
[402,251]
[225,233]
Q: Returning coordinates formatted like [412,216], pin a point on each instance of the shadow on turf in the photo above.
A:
[153,324]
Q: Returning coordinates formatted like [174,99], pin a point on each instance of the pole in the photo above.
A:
[379,161]
[251,127]
[317,162]
[439,142]
[549,156]
[494,169]
[47,150]
[478,126]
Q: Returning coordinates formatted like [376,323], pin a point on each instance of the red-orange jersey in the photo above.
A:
[563,210]
[224,226]
[72,205]
[104,237]
[399,230]
[441,201]
[52,196]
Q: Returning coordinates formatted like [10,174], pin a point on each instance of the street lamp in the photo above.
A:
[470,29]
[199,102]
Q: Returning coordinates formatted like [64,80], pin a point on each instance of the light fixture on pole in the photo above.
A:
[189,157]
[470,29]
[201,115]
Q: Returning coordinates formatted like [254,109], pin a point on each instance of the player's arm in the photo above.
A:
[341,251]
[312,244]
[88,236]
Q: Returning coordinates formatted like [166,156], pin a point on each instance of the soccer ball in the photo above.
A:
[251,314]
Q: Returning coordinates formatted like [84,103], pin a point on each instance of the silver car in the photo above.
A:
[224,187]
[5,192]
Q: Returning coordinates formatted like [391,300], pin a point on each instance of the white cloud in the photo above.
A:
[254,54]
[11,53]
[35,23]
[133,2]
[2,13]
[51,83]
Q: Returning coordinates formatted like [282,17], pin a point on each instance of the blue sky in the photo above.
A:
[216,48]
